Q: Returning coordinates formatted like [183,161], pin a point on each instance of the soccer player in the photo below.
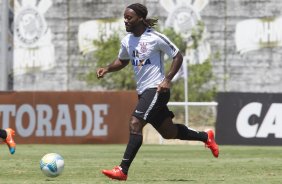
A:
[144,49]
[7,136]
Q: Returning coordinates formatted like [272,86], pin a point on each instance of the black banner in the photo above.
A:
[249,119]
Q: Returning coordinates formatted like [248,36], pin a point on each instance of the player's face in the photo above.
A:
[131,20]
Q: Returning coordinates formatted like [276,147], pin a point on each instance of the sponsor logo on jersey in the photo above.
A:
[140,63]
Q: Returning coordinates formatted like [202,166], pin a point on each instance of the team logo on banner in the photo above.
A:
[185,19]
[33,47]
[30,26]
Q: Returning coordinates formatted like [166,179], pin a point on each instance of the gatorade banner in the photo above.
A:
[67,117]
[249,119]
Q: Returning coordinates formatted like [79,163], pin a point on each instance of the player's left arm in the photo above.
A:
[175,66]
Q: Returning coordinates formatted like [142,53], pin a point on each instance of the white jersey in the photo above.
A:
[146,54]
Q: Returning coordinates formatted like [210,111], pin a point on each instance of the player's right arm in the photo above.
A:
[116,65]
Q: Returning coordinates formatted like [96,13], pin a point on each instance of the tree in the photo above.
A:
[200,76]
[106,52]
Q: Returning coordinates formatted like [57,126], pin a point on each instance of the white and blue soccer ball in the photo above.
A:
[52,164]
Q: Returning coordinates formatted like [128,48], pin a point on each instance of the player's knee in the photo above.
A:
[135,126]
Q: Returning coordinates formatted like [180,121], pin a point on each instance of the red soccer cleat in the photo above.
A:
[116,173]
[212,144]
[10,141]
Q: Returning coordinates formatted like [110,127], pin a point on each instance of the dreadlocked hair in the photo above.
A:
[142,11]
[150,22]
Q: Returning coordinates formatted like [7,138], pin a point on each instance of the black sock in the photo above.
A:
[184,133]
[134,143]
[3,134]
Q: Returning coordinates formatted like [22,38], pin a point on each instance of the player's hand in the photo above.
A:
[164,86]
[100,72]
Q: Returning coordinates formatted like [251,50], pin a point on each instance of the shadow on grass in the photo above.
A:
[178,180]
[171,180]
[51,180]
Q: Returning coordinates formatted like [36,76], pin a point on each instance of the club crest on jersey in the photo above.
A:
[143,47]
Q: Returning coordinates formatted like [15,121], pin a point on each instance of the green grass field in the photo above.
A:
[165,164]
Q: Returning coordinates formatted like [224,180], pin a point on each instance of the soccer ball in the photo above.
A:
[52,164]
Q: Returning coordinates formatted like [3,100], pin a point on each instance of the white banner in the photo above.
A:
[96,29]
[33,47]
[255,34]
